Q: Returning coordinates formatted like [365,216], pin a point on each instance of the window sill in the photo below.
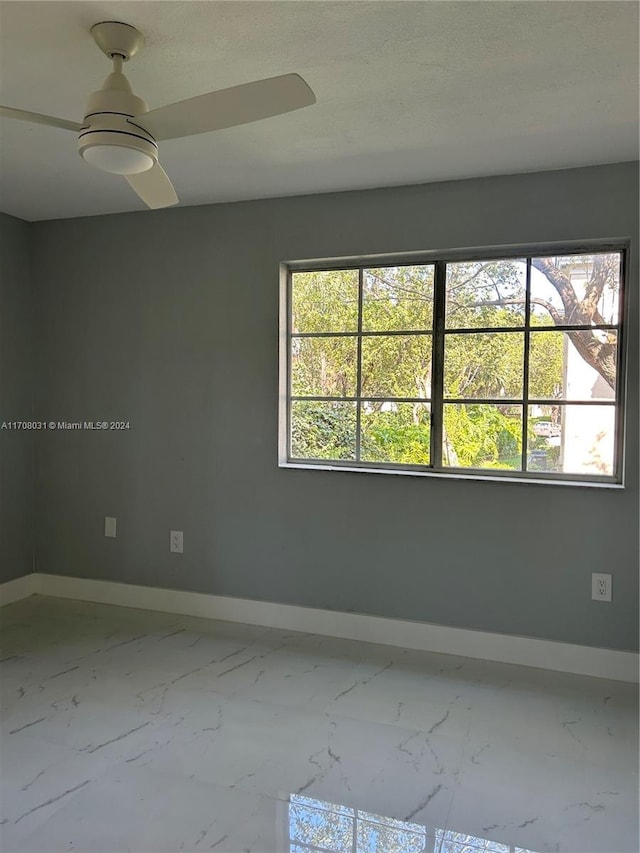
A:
[458,475]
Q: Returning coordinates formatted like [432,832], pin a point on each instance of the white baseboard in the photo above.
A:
[16,589]
[505,648]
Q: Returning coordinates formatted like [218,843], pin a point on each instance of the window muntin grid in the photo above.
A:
[441,331]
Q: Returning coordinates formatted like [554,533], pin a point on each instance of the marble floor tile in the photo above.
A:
[128,730]
[143,811]
[544,802]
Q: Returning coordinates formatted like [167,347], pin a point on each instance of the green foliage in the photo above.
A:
[486,293]
[482,436]
[325,301]
[398,299]
[402,435]
[488,365]
[324,367]
[546,363]
[396,366]
[323,430]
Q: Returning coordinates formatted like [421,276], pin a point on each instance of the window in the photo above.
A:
[316,826]
[503,366]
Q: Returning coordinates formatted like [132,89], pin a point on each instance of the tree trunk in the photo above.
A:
[600,355]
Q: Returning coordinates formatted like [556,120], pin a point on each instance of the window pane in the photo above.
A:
[369,817]
[594,276]
[486,293]
[460,842]
[300,799]
[571,439]
[320,828]
[378,838]
[395,432]
[397,299]
[482,436]
[324,301]
[546,305]
[323,430]
[484,365]
[396,366]
[323,367]
[573,365]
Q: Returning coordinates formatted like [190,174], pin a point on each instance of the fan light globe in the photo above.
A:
[117,159]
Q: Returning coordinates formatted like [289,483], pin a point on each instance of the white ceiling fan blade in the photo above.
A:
[38,118]
[229,107]
[154,187]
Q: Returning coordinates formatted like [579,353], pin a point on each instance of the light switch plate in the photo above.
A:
[110,526]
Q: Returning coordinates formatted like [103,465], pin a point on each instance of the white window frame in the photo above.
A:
[440,260]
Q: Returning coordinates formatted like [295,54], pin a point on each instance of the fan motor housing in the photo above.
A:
[110,120]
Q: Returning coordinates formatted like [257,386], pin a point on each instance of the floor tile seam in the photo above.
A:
[465,747]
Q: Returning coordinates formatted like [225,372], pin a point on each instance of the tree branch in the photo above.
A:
[562,284]
[553,311]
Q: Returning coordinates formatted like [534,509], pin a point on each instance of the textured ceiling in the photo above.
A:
[408,92]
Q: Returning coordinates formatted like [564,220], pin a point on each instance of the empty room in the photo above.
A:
[319,469]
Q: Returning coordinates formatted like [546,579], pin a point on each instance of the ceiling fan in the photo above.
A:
[120,135]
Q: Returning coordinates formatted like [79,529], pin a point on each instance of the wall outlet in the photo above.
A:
[600,587]
[175,542]
[110,527]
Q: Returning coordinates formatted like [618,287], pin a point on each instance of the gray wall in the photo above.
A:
[169,320]
[16,388]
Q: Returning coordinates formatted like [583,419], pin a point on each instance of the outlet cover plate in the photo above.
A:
[110,527]
[175,541]
[600,586]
